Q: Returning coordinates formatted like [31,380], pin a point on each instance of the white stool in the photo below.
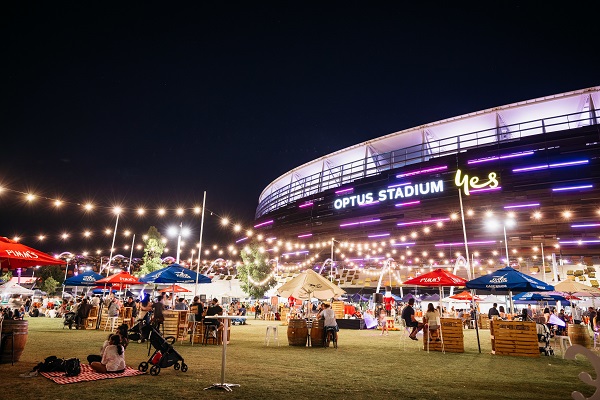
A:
[113,322]
[564,342]
[268,334]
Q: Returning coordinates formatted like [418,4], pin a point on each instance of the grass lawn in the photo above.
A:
[366,365]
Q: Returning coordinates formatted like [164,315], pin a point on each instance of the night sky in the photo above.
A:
[136,104]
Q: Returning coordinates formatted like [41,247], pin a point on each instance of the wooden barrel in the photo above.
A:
[297,332]
[579,335]
[19,331]
[317,333]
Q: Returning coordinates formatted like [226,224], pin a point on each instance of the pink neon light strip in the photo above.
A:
[584,225]
[263,224]
[403,244]
[305,235]
[398,185]
[422,171]
[241,240]
[379,235]
[369,204]
[462,243]
[486,189]
[522,205]
[436,220]
[307,204]
[513,155]
[344,191]
[409,203]
[409,223]
[371,221]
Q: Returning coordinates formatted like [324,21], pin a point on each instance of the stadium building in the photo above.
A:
[527,173]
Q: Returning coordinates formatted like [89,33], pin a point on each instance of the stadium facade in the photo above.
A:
[528,174]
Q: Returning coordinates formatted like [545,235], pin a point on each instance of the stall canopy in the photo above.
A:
[508,279]
[120,280]
[11,288]
[465,295]
[172,274]
[308,284]
[15,255]
[577,289]
[437,278]
[545,297]
[174,289]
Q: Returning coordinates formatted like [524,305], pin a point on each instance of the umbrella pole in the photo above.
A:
[512,310]
[473,294]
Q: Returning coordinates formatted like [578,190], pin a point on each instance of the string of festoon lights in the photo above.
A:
[372,251]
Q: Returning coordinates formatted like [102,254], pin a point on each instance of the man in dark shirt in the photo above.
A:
[493,311]
[197,308]
[408,315]
[213,309]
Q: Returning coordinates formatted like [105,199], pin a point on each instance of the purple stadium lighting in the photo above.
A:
[567,164]
[579,242]
[462,243]
[398,185]
[486,190]
[342,191]
[408,203]
[369,221]
[585,225]
[264,223]
[532,168]
[304,235]
[429,221]
[403,244]
[409,223]
[567,188]
[422,171]
[379,235]
[369,204]
[521,205]
[555,165]
[354,259]
[241,240]
[307,204]
[295,253]
[512,155]
[271,238]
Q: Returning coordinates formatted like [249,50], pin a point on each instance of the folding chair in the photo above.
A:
[439,330]
[191,320]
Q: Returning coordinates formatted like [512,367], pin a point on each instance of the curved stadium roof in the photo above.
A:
[482,128]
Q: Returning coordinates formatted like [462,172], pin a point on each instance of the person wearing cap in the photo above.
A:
[408,315]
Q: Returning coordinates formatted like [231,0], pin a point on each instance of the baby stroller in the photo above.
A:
[136,332]
[544,335]
[69,320]
[164,355]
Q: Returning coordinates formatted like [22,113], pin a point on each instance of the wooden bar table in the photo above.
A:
[225,386]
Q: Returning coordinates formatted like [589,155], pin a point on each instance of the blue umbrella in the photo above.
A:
[530,296]
[173,274]
[509,279]
[87,278]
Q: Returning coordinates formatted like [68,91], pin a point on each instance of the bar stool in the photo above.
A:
[564,342]
[210,332]
[113,322]
[272,328]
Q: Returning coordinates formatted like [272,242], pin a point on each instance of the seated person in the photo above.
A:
[431,319]
[17,314]
[113,357]
[213,309]
[328,316]
[35,312]
[122,332]
[502,312]
[82,313]
[408,315]
[240,312]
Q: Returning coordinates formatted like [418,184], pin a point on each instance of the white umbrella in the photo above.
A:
[11,288]
[309,284]
[577,289]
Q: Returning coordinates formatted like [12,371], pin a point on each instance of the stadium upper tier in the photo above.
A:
[415,145]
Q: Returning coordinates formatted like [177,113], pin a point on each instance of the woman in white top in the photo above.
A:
[431,319]
[113,357]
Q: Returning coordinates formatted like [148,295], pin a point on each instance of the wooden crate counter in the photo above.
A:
[452,334]
[484,321]
[199,337]
[338,309]
[514,338]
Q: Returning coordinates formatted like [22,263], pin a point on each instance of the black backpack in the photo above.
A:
[51,364]
[72,367]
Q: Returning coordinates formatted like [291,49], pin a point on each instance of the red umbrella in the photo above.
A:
[464,295]
[15,255]
[174,289]
[438,277]
[121,279]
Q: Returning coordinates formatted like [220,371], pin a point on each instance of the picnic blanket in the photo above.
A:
[87,374]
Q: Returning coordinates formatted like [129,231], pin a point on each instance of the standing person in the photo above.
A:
[383,320]
[493,311]
[131,303]
[592,316]
[408,315]
[576,315]
[157,310]
[113,307]
[257,310]
[180,305]
[27,304]
[529,312]
[82,313]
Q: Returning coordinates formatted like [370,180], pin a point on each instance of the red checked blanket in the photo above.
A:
[87,374]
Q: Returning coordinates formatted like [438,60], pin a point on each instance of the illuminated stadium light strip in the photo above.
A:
[586,241]
[369,204]
[354,259]
[241,240]
[512,155]
[408,203]
[264,223]
[295,253]
[307,204]
[422,171]
[398,185]
[429,221]
[403,244]
[585,225]
[344,190]
[370,221]
[522,205]
[304,235]
[409,223]
[486,190]
[379,235]
[271,238]
[566,188]
[462,243]
[555,165]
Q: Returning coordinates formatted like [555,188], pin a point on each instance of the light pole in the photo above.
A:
[179,232]
[200,244]
[494,224]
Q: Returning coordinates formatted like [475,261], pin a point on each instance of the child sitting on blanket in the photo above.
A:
[113,357]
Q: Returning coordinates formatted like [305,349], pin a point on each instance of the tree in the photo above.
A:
[53,271]
[49,286]
[153,250]
[6,277]
[255,268]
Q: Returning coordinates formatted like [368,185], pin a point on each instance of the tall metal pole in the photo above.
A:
[131,254]
[543,262]
[200,245]
[179,243]
[506,246]
[112,246]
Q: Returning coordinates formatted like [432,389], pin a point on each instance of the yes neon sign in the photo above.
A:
[388,194]
[468,184]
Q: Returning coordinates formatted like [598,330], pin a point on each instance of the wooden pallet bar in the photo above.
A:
[514,338]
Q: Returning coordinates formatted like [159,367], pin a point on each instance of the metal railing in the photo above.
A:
[375,164]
